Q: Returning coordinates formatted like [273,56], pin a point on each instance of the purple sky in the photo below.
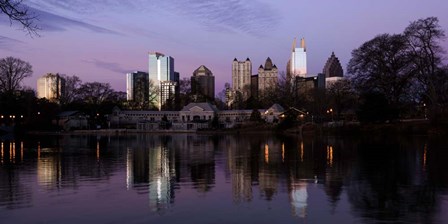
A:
[101,40]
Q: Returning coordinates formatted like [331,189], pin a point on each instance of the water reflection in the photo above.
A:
[313,179]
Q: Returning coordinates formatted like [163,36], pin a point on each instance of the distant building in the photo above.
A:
[254,86]
[333,70]
[296,66]
[50,86]
[267,75]
[162,75]
[333,67]
[137,86]
[241,77]
[203,83]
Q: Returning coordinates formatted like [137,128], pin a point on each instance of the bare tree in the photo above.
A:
[12,72]
[95,92]
[19,12]
[71,89]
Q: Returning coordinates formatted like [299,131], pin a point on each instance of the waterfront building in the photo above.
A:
[50,86]
[296,66]
[192,117]
[241,77]
[203,84]
[164,78]
[137,87]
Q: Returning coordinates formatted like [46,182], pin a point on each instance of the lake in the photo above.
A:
[245,178]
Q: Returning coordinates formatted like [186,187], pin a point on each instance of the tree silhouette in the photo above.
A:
[16,11]
[12,72]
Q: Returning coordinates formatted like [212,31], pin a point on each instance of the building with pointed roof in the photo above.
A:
[267,75]
[203,84]
[332,70]
[333,67]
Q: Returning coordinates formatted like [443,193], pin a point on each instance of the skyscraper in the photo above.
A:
[163,77]
[333,67]
[332,70]
[137,86]
[203,83]
[267,75]
[297,63]
[241,77]
[50,86]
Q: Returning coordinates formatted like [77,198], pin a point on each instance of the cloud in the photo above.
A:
[111,66]
[251,17]
[7,43]
[52,22]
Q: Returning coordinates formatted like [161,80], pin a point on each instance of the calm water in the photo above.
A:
[223,179]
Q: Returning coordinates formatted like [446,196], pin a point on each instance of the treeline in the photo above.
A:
[19,106]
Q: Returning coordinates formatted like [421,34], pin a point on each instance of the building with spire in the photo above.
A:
[241,77]
[267,75]
[296,66]
[203,84]
[332,70]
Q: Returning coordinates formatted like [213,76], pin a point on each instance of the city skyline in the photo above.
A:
[80,39]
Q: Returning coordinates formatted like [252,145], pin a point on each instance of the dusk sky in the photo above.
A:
[101,40]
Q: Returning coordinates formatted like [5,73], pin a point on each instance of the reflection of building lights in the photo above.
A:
[299,199]
[2,153]
[21,151]
[330,155]
[129,172]
[301,152]
[97,150]
[38,150]
[425,154]
[283,152]
[266,153]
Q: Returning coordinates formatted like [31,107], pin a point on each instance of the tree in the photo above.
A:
[95,93]
[71,90]
[16,11]
[341,96]
[423,37]
[12,72]
[382,64]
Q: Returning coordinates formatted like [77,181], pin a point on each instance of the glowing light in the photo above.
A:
[266,153]
[21,151]
[38,150]
[97,150]
[302,151]
[330,155]
[2,152]
[283,152]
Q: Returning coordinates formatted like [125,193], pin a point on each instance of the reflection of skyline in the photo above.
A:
[254,170]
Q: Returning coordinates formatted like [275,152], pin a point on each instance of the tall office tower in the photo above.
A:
[137,87]
[50,86]
[333,67]
[297,62]
[161,71]
[241,77]
[267,76]
[203,84]
[332,71]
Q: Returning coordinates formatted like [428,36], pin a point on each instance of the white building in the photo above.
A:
[297,63]
[50,86]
